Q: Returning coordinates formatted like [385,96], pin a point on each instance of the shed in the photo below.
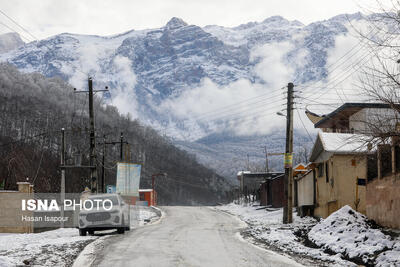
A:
[149,196]
[306,193]
[272,191]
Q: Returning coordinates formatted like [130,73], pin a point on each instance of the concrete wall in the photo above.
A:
[341,188]
[383,201]
[11,213]
[305,190]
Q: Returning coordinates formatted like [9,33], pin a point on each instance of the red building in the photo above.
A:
[148,195]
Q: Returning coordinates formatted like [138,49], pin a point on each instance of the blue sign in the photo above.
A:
[111,189]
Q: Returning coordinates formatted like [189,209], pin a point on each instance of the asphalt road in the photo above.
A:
[188,236]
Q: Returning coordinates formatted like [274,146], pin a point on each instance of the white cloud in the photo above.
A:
[124,95]
[273,68]
[344,64]
[202,105]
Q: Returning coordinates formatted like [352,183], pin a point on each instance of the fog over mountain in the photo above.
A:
[10,41]
[176,78]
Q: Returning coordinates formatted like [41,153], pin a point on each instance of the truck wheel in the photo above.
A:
[91,232]
[121,230]
[82,232]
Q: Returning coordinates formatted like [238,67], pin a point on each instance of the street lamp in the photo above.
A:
[280,114]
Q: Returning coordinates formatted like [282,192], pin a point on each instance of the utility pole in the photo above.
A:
[62,174]
[105,143]
[103,163]
[288,210]
[92,152]
[122,147]
[93,170]
[266,159]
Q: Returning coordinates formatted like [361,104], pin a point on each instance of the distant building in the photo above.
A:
[272,191]
[266,186]
[147,197]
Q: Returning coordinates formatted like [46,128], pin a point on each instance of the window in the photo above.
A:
[320,170]
[327,171]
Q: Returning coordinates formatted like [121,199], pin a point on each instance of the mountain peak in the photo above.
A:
[175,23]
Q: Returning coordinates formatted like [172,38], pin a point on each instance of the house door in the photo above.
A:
[332,207]
[269,194]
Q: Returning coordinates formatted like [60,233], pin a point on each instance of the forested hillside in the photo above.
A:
[33,109]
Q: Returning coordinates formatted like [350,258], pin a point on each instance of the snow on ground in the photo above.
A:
[52,248]
[58,247]
[266,226]
[351,234]
[344,235]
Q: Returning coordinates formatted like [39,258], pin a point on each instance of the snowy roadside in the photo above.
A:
[139,216]
[331,242]
[59,247]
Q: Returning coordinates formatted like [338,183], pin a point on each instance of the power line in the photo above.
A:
[338,76]
[305,128]
[13,30]
[16,23]
[35,38]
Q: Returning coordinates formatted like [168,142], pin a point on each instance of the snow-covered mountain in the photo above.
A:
[169,76]
[163,63]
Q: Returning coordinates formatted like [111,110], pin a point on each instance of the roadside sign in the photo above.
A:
[111,189]
[288,160]
[128,179]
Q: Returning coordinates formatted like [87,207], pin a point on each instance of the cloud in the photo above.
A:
[273,67]
[202,105]
[121,80]
[345,62]
[123,96]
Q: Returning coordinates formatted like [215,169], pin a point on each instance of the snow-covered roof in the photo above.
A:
[342,142]
[243,172]
[339,143]
[145,190]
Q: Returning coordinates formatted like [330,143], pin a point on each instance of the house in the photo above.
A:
[378,170]
[340,161]
[342,155]
[354,118]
